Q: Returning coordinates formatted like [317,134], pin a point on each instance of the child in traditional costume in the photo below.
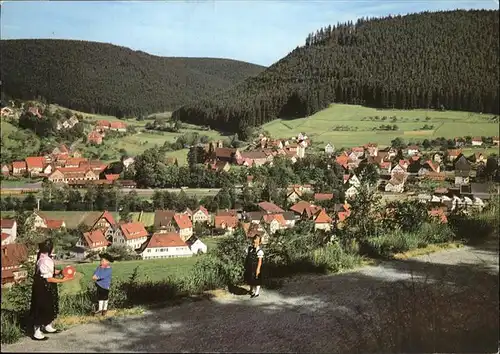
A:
[253,265]
[44,296]
[102,278]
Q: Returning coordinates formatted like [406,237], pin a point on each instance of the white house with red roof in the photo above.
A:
[166,245]
[270,208]
[226,222]
[274,221]
[18,168]
[477,141]
[35,165]
[132,234]
[6,169]
[201,215]
[322,221]
[9,231]
[42,221]
[92,241]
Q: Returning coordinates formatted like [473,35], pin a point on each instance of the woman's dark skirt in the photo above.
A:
[102,294]
[44,301]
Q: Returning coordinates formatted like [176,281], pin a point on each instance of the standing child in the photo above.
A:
[102,278]
[253,265]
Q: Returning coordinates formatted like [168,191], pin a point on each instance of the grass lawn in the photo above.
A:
[154,269]
[7,127]
[319,127]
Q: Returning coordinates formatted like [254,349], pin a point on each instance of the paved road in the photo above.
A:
[317,314]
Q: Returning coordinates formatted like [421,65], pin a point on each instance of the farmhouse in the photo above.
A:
[274,221]
[92,241]
[201,215]
[226,222]
[167,221]
[9,231]
[35,165]
[131,234]
[477,141]
[101,220]
[18,168]
[270,208]
[70,174]
[166,245]
[13,256]
[452,154]
[322,221]
[396,184]
[294,195]
[41,221]
[94,137]
[196,246]
[305,209]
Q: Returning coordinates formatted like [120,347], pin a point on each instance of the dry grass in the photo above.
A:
[428,250]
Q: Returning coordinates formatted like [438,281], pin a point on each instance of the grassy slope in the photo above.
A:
[448,124]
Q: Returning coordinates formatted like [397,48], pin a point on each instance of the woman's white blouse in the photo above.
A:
[46,267]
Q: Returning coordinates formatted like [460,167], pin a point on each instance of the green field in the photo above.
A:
[319,127]
[154,269]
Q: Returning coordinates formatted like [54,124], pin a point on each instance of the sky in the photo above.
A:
[257,31]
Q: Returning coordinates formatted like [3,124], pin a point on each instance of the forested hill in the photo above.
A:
[443,60]
[104,78]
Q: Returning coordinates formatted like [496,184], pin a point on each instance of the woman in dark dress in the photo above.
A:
[253,265]
[44,295]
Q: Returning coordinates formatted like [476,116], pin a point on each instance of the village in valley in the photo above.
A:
[444,179]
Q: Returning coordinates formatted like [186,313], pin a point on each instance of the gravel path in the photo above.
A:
[316,314]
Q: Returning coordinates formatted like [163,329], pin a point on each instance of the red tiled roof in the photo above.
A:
[323,196]
[133,230]
[322,217]
[102,123]
[203,210]
[19,165]
[75,161]
[117,125]
[304,207]
[342,160]
[278,217]
[4,236]
[171,239]
[413,147]
[54,224]
[7,223]
[230,212]
[13,255]
[270,207]
[224,152]
[477,138]
[229,221]
[35,162]
[95,239]
[183,221]
[454,152]
[112,177]
[253,155]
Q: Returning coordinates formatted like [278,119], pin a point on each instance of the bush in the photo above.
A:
[335,259]
[11,328]
[392,242]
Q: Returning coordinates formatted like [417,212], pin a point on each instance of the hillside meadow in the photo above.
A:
[320,127]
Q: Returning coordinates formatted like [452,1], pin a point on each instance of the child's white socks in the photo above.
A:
[101,305]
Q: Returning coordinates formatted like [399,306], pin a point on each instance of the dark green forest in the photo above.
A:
[440,60]
[107,79]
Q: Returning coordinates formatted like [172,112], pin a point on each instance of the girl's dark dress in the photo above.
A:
[44,300]
[253,255]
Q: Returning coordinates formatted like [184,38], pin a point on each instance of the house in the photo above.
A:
[342,211]
[60,150]
[305,188]
[13,256]
[396,184]
[372,149]
[354,181]
[479,157]
[201,215]
[357,153]
[75,162]
[94,137]
[342,160]
[92,241]
[305,209]
[329,149]
[351,192]
[437,157]
[412,150]
[226,222]
[101,220]
[167,221]
[254,217]
[462,164]
[322,221]
[275,222]
[430,166]
[319,197]
[227,154]
[452,154]
[18,168]
[102,124]
[6,112]
[166,245]
[398,170]
[220,166]
[68,174]
[117,126]
[294,196]
[127,162]
[196,246]
[496,140]
[131,234]
[290,218]
[270,208]
[111,177]
[252,230]
[227,212]
[9,231]
[254,158]
[41,221]
[477,141]
[6,169]
[478,190]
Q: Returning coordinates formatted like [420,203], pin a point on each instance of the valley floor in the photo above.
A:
[443,302]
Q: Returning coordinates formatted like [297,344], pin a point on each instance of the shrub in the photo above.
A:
[334,258]
[436,232]
[11,328]
[394,242]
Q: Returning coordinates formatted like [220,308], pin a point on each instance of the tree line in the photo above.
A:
[107,79]
[440,60]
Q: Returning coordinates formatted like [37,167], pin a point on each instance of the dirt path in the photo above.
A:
[317,314]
